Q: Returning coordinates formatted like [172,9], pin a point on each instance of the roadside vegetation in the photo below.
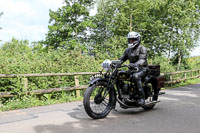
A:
[78,42]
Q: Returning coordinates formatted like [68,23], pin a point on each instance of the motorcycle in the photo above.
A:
[115,85]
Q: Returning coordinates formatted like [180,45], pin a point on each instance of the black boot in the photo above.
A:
[141,94]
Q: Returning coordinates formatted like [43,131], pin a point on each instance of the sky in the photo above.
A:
[29,19]
[26,19]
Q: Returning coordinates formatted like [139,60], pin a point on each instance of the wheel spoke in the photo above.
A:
[104,103]
[98,93]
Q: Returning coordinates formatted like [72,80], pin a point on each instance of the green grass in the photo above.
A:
[33,101]
[21,104]
[187,82]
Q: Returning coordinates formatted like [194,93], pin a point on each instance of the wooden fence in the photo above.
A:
[176,77]
[171,78]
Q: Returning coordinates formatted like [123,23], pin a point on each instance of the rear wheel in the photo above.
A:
[98,102]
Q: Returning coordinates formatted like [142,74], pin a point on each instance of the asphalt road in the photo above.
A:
[178,112]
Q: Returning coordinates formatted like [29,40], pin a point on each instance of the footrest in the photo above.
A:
[153,102]
[161,93]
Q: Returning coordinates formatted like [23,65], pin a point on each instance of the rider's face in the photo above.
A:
[131,40]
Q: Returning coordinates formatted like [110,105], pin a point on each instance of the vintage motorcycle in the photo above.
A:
[115,85]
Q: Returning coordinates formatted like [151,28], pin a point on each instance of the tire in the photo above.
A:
[93,95]
[153,97]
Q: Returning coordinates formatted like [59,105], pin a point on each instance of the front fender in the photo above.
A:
[97,80]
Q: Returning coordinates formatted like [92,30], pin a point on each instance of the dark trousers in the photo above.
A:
[136,78]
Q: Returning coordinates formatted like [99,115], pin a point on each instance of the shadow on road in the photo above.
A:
[78,121]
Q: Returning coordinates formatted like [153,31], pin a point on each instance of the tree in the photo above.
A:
[116,18]
[167,26]
[69,24]
[183,18]
[0,17]
[112,26]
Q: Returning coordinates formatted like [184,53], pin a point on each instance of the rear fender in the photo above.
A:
[157,81]
[160,81]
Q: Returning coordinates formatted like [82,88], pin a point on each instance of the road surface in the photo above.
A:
[178,112]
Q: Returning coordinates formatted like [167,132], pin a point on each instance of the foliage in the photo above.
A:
[158,22]
[0,17]
[16,57]
[168,27]
[193,62]
[163,62]
[69,24]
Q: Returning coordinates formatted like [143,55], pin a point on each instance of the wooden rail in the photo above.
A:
[185,75]
[24,77]
[172,78]
[45,74]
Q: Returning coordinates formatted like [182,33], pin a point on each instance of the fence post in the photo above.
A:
[185,76]
[199,73]
[170,79]
[77,84]
[192,73]
[25,84]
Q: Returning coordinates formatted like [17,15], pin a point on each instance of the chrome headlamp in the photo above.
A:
[106,65]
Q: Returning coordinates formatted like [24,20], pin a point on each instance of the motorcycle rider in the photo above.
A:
[137,56]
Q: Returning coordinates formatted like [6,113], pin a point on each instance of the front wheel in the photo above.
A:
[98,102]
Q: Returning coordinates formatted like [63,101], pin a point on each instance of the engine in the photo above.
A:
[126,90]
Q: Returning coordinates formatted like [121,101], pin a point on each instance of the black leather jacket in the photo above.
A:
[138,56]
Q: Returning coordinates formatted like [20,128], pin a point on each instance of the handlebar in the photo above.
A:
[120,66]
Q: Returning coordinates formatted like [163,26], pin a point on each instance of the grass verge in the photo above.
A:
[184,83]
[33,101]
